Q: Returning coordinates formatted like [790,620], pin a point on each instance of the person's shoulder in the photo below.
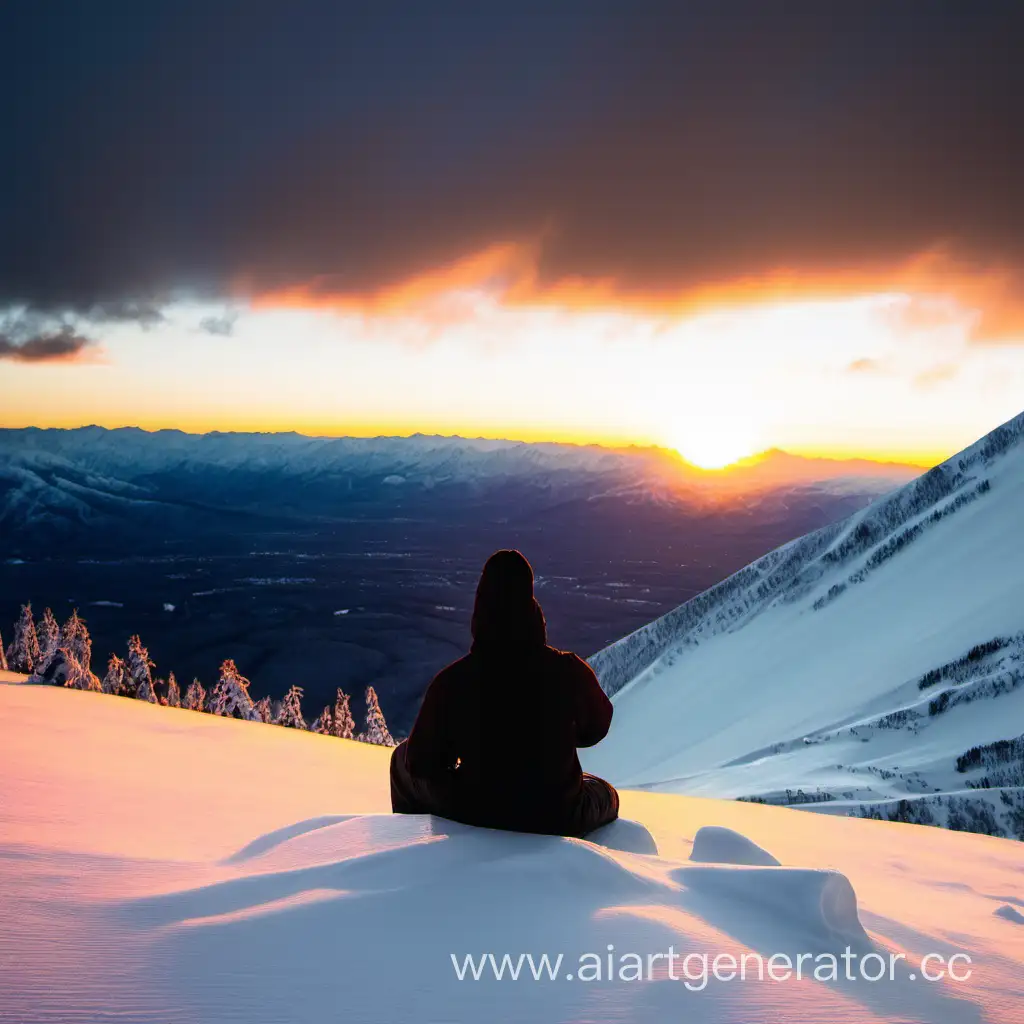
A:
[567,661]
[453,673]
[555,652]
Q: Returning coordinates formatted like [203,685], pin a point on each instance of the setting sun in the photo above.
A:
[716,445]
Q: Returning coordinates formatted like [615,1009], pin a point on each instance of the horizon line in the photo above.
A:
[916,461]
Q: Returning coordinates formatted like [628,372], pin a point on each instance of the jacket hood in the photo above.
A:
[506,616]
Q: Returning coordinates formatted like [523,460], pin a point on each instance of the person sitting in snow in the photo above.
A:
[494,743]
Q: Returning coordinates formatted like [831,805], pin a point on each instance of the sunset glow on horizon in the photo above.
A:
[889,376]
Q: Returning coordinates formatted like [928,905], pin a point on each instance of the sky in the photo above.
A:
[717,227]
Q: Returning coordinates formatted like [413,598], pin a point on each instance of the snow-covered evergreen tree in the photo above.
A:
[195,696]
[263,710]
[376,726]
[323,725]
[48,633]
[230,696]
[173,692]
[344,725]
[114,680]
[75,637]
[139,677]
[290,714]
[64,664]
[23,653]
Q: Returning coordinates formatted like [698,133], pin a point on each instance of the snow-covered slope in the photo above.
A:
[159,865]
[874,666]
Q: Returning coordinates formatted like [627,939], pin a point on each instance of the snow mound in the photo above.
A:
[370,890]
[626,836]
[719,845]
[820,905]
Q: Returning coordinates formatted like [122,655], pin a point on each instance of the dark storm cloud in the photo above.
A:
[167,147]
[49,347]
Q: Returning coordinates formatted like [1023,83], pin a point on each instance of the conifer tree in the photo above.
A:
[323,725]
[23,653]
[195,696]
[230,696]
[173,692]
[290,714]
[48,633]
[114,680]
[344,725]
[64,665]
[263,710]
[376,726]
[75,637]
[139,677]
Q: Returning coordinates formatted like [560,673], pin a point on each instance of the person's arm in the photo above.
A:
[429,752]
[591,706]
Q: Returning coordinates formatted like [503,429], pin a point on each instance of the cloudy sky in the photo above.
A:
[720,226]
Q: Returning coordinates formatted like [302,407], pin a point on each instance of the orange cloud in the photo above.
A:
[504,268]
[944,285]
[941,288]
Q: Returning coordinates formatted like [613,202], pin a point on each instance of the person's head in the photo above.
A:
[506,615]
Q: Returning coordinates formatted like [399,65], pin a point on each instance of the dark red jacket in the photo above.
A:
[512,726]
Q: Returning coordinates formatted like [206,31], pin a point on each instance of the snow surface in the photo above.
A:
[162,865]
[799,679]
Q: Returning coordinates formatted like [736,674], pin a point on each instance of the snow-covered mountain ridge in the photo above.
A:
[93,490]
[129,464]
[140,452]
[873,666]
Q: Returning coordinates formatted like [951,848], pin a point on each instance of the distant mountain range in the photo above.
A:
[72,485]
[874,666]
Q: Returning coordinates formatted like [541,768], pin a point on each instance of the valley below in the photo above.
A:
[347,562]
